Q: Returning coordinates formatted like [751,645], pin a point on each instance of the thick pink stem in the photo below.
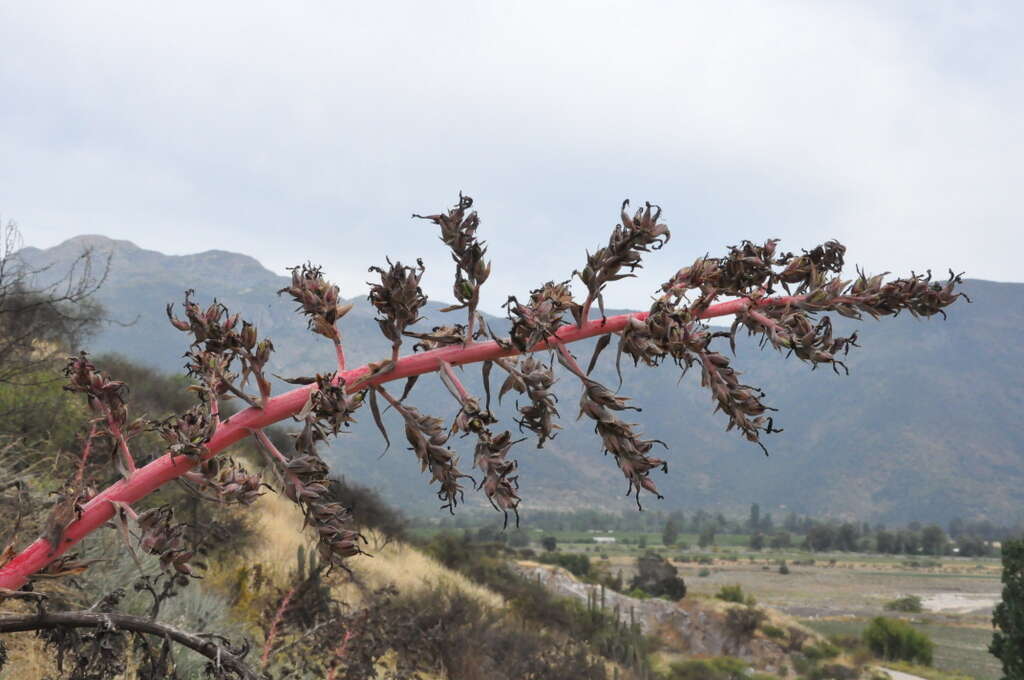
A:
[339,353]
[151,477]
[463,394]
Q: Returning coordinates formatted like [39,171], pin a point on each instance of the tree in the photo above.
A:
[846,537]
[1008,617]
[780,297]
[896,640]
[518,538]
[657,576]
[821,537]
[707,537]
[933,540]
[754,523]
[973,546]
[41,315]
[757,541]
[550,543]
[670,534]
[886,542]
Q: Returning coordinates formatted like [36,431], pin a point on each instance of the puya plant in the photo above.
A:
[781,297]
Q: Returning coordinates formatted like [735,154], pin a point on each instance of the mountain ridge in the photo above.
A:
[924,428]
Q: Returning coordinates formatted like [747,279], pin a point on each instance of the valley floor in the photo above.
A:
[839,593]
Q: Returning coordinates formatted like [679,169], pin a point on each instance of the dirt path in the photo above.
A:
[959,603]
[900,675]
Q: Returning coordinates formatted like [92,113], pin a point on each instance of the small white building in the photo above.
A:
[604,539]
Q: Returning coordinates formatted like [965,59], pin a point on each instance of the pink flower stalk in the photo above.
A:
[145,480]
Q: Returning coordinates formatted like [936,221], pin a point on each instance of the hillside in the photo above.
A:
[925,428]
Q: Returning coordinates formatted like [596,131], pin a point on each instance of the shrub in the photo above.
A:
[821,650]
[518,538]
[577,564]
[734,593]
[657,576]
[896,640]
[704,573]
[720,668]
[773,632]
[783,568]
[910,603]
[743,621]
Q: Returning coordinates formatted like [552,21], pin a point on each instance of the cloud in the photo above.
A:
[314,130]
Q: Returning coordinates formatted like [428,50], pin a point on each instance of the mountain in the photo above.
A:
[926,427]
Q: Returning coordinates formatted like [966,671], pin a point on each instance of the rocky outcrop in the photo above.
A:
[690,626]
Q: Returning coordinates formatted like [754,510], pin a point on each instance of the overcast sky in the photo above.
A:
[313,130]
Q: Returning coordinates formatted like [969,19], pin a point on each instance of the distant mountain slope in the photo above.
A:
[926,427]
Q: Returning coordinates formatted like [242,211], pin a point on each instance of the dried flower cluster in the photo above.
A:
[304,477]
[439,336]
[428,439]
[618,437]
[541,317]
[458,231]
[186,434]
[217,343]
[106,400]
[638,234]
[491,453]
[531,376]
[228,481]
[397,299]
[318,299]
[162,537]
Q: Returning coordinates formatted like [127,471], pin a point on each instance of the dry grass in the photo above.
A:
[27,659]
[398,564]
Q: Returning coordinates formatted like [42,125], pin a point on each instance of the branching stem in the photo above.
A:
[136,624]
[155,474]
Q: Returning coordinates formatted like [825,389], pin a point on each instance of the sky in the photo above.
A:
[313,130]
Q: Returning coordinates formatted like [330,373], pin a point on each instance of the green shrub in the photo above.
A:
[773,632]
[836,672]
[846,641]
[734,593]
[910,603]
[783,567]
[577,564]
[704,573]
[896,640]
[821,650]
[719,668]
